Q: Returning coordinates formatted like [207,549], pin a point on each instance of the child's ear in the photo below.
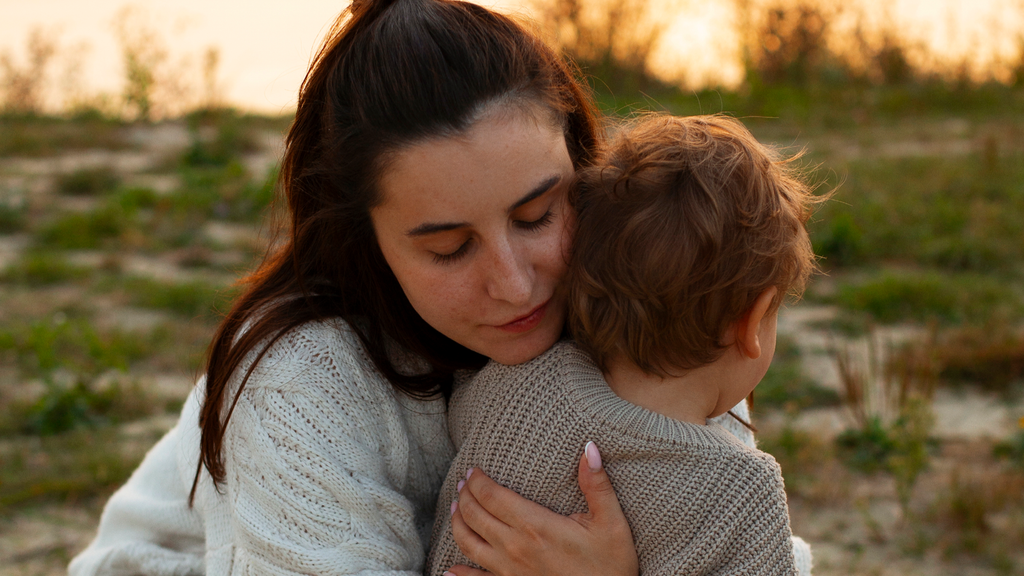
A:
[748,328]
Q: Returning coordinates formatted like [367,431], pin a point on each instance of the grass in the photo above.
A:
[89,181]
[43,269]
[79,231]
[12,218]
[785,385]
[186,299]
[232,137]
[964,514]
[70,406]
[42,346]
[964,297]
[65,467]
[1012,449]
[953,214]
[990,357]
[41,136]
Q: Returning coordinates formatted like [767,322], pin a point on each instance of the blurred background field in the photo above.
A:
[896,400]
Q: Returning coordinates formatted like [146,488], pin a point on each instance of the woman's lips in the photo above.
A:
[526,323]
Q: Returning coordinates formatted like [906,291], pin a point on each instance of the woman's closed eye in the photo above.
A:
[463,249]
[452,257]
[537,224]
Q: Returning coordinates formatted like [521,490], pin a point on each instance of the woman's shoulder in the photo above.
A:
[310,358]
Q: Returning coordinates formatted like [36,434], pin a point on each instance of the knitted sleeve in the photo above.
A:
[317,462]
[147,526]
[801,549]
[761,545]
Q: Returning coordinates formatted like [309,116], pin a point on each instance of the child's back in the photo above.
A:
[697,499]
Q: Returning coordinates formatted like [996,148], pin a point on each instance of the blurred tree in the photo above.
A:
[143,54]
[23,87]
[611,39]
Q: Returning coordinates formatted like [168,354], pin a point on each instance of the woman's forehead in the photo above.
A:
[499,159]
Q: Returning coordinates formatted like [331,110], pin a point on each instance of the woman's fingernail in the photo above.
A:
[448,574]
[593,457]
[469,473]
[455,506]
[459,486]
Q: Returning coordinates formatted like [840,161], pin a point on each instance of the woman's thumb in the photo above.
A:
[596,486]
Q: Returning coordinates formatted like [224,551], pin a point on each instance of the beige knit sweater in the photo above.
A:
[697,499]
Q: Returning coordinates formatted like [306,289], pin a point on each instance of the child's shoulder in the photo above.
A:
[756,463]
[562,358]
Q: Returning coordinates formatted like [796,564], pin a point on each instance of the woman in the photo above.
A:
[426,175]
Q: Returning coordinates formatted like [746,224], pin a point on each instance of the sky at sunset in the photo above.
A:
[265,45]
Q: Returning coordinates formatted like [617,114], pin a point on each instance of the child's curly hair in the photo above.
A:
[682,223]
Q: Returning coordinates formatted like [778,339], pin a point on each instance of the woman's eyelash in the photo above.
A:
[452,256]
[538,223]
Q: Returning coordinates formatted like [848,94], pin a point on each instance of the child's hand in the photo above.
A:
[508,534]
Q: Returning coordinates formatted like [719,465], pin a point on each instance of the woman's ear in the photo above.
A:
[748,328]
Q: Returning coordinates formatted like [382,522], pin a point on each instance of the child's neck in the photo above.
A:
[690,396]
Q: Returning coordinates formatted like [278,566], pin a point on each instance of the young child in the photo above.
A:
[690,234]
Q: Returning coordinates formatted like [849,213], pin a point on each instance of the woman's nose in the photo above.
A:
[511,277]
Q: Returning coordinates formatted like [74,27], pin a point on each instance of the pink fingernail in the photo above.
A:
[593,457]
[469,473]
[455,506]
[459,486]
[448,574]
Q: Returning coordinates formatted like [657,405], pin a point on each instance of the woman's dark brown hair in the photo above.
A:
[390,73]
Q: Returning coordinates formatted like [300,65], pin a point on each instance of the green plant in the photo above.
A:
[910,445]
[230,141]
[785,385]
[68,407]
[892,297]
[965,510]
[188,299]
[888,392]
[12,218]
[43,346]
[23,88]
[43,269]
[132,199]
[990,357]
[81,463]
[841,243]
[1012,449]
[866,448]
[89,181]
[85,230]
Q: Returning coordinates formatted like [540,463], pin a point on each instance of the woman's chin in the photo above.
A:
[523,347]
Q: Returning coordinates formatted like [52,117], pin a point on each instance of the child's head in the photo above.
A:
[683,223]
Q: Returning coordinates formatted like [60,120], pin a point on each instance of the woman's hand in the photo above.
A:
[508,534]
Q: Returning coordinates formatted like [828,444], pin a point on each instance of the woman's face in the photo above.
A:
[474,227]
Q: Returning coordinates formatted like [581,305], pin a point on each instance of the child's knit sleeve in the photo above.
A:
[761,544]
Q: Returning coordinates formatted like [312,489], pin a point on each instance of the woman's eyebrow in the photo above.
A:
[536,192]
[435,227]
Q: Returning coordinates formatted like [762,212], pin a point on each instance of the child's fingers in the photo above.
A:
[470,543]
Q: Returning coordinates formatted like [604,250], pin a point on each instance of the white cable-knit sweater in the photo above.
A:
[329,471]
